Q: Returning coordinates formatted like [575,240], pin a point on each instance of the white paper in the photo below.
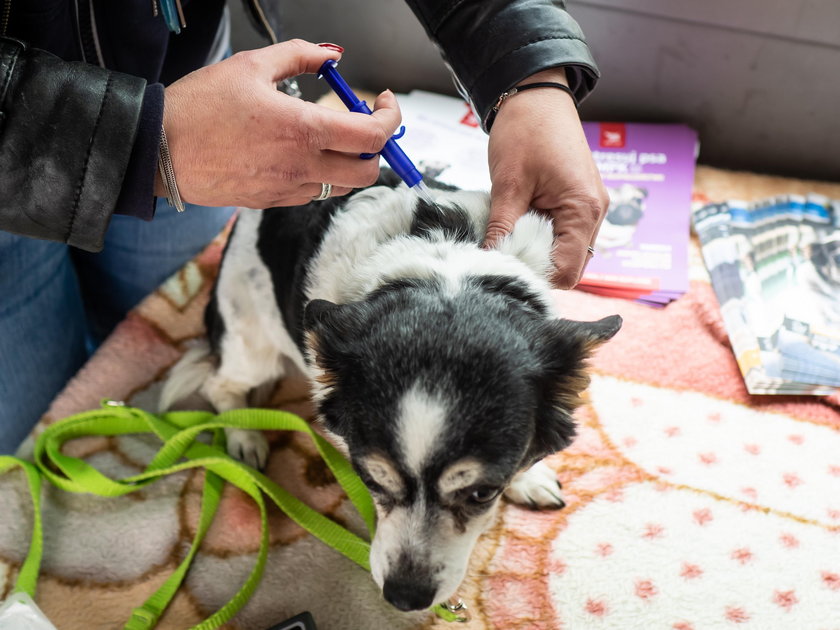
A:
[19,612]
[440,144]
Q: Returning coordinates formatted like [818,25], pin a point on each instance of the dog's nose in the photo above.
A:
[407,595]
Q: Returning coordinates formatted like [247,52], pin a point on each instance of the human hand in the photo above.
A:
[235,140]
[539,158]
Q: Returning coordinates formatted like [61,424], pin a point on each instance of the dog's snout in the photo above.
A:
[407,594]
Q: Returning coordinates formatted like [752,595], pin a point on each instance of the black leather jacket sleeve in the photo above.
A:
[490,45]
[66,136]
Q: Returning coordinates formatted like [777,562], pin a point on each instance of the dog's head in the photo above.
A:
[627,204]
[440,398]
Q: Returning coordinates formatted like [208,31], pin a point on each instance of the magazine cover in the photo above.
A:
[775,268]
[642,247]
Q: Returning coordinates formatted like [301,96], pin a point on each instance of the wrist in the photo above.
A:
[538,87]
[553,75]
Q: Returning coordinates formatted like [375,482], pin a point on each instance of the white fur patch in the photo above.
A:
[383,472]
[536,487]
[459,475]
[531,241]
[255,340]
[187,376]
[420,425]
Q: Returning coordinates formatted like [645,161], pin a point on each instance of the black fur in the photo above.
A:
[453,223]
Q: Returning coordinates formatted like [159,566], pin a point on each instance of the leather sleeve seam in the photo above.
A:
[4,87]
[518,48]
[87,160]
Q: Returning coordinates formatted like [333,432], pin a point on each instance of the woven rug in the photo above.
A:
[691,505]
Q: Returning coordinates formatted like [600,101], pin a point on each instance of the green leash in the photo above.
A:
[178,431]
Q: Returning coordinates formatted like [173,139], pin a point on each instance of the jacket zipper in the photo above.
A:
[4,21]
[289,86]
[261,14]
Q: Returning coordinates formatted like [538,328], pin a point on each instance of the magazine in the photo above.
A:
[775,268]
[642,246]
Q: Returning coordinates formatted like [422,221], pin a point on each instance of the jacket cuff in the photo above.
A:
[572,54]
[65,144]
[491,45]
[137,196]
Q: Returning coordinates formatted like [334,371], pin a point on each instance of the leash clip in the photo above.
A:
[457,607]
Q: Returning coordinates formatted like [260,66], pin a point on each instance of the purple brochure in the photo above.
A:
[642,247]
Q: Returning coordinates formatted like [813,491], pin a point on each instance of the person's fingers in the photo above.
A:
[346,169]
[313,191]
[304,194]
[507,204]
[291,58]
[387,112]
[352,132]
[575,228]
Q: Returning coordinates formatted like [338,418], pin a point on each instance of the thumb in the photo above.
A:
[294,57]
[505,210]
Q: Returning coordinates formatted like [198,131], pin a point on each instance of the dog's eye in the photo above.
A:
[374,487]
[484,495]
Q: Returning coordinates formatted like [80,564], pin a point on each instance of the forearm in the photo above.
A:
[492,45]
[66,139]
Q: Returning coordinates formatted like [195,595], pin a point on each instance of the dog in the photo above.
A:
[626,209]
[439,368]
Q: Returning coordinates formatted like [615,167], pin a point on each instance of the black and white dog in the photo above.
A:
[440,368]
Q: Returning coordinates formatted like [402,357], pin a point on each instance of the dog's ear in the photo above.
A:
[320,313]
[338,320]
[331,330]
[590,334]
[564,347]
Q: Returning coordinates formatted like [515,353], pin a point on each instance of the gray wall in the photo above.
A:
[758,79]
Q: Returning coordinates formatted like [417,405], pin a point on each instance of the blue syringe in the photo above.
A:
[393,154]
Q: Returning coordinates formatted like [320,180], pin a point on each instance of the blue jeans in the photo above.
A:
[58,303]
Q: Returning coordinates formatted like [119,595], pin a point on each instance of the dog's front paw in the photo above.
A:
[536,488]
[249,447]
